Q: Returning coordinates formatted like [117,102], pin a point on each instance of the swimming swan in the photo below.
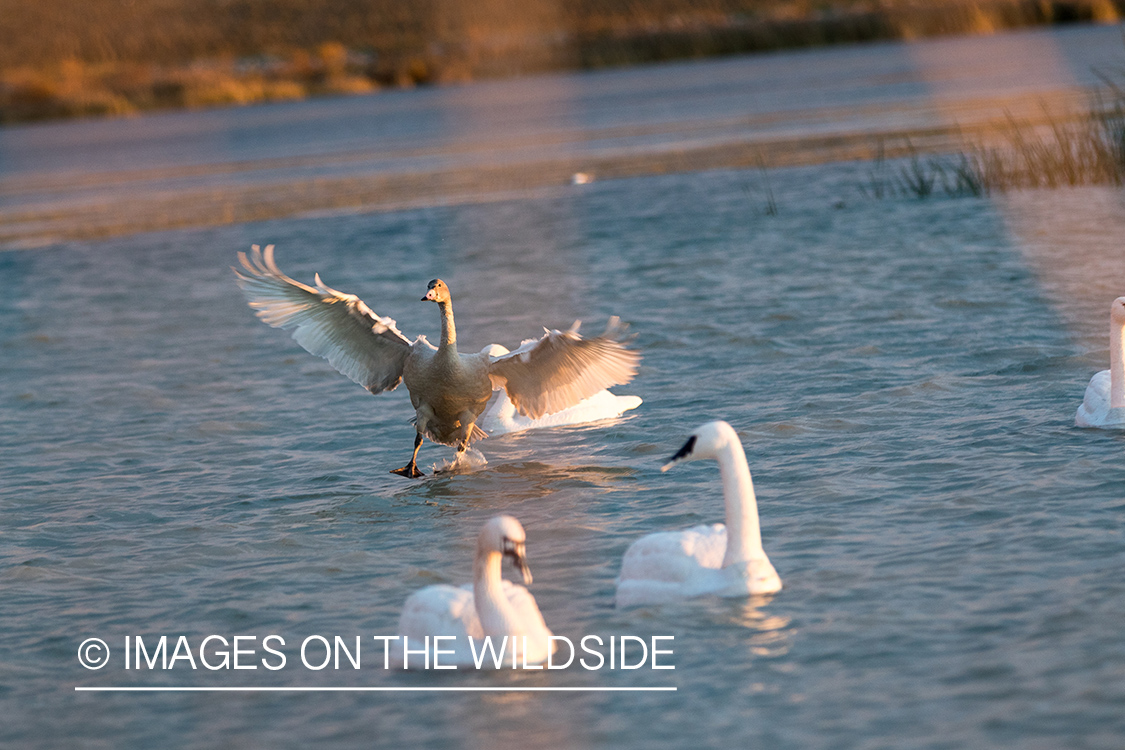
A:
[1104,402]
[449,390]
[501,418]
[489,606]
[724,560]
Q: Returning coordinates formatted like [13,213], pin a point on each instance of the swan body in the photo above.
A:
[501,417]
[449,390]
[721,559]
[489,606]
[1104,402]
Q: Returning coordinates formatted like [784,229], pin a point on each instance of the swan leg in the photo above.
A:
[411,469]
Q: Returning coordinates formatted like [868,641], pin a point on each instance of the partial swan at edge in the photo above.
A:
[1104,402]
[726,560]
[489,606]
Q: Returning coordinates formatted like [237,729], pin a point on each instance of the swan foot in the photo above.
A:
[410,471]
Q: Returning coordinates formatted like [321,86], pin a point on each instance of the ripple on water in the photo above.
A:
[949,544]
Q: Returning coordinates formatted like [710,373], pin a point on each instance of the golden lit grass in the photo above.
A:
[75,89]
[66,58]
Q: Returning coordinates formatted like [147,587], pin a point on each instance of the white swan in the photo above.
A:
[500,417]
[489,606]
[449,390]
[724,560]
[1104,402]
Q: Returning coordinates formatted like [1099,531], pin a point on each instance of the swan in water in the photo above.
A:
[1104,402]
[489,606]
[724,560]
[500,417]
[449,390]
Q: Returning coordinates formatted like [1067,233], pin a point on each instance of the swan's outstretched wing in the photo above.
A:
[330,324]
[562,368]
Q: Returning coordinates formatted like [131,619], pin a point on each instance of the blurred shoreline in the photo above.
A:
[65,58]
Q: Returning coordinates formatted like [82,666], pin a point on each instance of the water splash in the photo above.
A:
[469,460]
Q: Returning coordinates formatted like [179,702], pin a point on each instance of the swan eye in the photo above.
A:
[685,451]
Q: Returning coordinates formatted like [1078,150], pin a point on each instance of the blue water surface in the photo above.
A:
[903,374]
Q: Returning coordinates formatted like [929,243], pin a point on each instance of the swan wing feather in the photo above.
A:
[527,610]
[440,610]
[561,369]
[367,348]
[675,556]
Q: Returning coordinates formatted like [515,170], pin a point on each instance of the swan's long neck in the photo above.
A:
[496,615]
[744,536]
[1116,362]
[448,330]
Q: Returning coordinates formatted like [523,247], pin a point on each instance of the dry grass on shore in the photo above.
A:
[74,58]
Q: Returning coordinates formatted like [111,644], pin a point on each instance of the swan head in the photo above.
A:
[437,291]
[505,535]
[1117,310]
[704,442]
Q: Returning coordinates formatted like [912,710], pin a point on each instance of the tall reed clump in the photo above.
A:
[1087,149]
[923,178]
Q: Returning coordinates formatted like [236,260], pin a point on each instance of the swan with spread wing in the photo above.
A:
[449,390]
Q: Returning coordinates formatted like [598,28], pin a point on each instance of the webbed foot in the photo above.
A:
[410,471]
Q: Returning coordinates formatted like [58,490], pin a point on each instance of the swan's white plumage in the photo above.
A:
[490,606]
[561,369]
[672,565]
[367,348]
[500,416]
[1095,410]
[450,610]
[1103,404]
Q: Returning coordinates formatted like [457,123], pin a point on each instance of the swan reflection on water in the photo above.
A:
[511,482]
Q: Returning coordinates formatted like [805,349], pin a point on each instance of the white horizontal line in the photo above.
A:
[375,689]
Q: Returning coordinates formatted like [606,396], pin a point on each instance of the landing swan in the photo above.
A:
[488,606]
[1104,402]
[449,390]
[724,560]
